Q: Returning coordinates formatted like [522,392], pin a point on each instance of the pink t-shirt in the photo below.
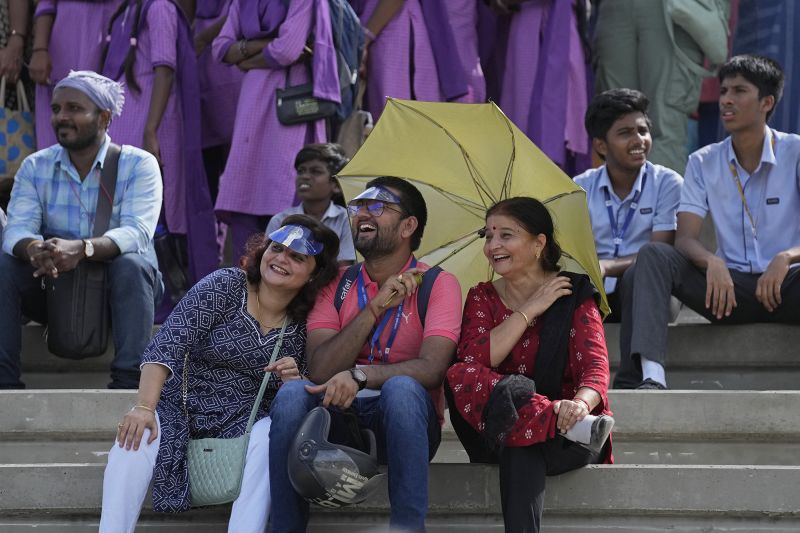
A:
[443,319]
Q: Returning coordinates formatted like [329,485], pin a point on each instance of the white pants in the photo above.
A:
[129,472]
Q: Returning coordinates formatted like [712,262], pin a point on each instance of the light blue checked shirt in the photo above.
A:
[49,199]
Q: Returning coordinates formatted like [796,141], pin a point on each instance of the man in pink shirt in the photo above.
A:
[374,356]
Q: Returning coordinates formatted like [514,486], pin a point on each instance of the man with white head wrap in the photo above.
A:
[51,220]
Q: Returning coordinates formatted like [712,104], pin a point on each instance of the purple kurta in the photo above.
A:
[259,176]
[157,47]
[463,16]
[220,84]
[389,59]
[75,44]
[523,74]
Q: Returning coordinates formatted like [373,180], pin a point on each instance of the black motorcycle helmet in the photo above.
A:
[327,474]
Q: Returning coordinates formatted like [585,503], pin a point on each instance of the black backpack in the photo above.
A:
[423,295]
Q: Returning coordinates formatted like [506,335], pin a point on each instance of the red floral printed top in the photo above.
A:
[472,378]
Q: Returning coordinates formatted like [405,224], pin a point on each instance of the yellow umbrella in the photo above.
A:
[464,158]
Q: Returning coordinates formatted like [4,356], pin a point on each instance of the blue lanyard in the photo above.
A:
[374,342]
[617,233]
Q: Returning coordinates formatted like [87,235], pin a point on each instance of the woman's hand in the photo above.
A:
[569,412]
[285,368]
[40,67]
[151,144]
[131,429]
[11,60]
[546,295]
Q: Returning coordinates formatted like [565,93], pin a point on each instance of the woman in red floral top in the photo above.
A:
[530,385]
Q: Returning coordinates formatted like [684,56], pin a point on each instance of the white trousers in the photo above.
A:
[128,474]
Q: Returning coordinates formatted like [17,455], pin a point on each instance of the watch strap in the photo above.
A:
[362,383]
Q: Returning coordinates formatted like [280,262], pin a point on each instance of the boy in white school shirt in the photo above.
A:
[750,183]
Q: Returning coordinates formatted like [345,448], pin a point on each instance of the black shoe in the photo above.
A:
[601,429]
[650,384]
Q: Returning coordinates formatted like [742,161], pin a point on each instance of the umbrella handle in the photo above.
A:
[417,276]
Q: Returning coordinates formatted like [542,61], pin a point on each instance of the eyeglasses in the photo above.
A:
[375,209]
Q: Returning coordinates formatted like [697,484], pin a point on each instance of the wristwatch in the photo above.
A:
[360,377]
[88,248]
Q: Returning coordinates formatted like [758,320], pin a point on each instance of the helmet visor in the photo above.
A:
[338,474]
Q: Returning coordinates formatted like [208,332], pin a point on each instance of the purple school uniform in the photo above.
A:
[389,59]
[76,43]
[463,15]
[164,40]
[544,90]
[220,83]
[259,175]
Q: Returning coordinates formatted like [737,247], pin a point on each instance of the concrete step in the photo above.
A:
[711,346]
[647,416]
[451,451]
[700,357]
[754,495]
[669,428]
[552,523]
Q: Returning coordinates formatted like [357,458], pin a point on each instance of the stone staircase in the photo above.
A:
[721,454]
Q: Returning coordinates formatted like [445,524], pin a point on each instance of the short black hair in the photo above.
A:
[765,73]
[609,106]
[412,203]
[331,154]
[534,216]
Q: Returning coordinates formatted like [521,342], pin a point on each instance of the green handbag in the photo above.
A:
[216,466]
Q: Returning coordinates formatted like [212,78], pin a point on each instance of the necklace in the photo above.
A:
[265,325]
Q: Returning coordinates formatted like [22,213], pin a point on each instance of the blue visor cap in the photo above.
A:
[378,193]
[297,238]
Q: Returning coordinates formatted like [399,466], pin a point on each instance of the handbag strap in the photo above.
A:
[261,390]
[267,375]
[108,185]
[22,98]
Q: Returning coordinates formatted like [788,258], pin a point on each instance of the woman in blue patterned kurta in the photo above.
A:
[224,329]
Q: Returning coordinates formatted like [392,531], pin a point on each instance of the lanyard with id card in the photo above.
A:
[394,317]
[617,233]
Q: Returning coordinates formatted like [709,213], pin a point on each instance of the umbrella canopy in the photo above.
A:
[464,158]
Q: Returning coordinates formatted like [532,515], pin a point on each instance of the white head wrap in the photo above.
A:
[105,92]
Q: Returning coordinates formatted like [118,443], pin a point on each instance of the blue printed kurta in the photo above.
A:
[226,356]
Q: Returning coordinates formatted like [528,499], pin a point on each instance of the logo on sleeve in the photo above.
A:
[773,201]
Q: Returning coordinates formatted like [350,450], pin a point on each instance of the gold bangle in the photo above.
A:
[584,402]
[144,407]
[527,320]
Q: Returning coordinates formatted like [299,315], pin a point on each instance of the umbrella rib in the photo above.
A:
[511,160]
[445,245]
[562,195]
[458,200]
[477,179]
[454,252]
